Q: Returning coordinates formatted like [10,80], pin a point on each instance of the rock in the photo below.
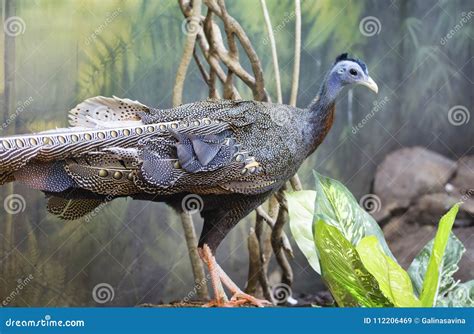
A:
[428,209]
[407,240]
[466,265]
[386,212]
[409,173]
[464,177]
[416,188]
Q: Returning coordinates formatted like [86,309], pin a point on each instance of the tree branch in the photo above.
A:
[287,275]
[265,255]
[295,180]
[187,54]
[203,71]
[296,183]
[211,55]
[296,64]
[256,84]
[271,37]
[196,263]
[254,263]
[271,223]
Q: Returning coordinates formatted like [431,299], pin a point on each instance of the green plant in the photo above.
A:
[346,246]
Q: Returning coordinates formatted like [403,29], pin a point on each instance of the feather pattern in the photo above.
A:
[118,147]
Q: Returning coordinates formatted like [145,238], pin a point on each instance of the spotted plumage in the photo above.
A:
[229,156]
[233,154]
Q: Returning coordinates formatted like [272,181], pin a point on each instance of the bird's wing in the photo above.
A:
[183,160]
[194,147]
[110,172]
[206,152]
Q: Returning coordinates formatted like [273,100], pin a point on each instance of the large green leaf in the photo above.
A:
[349,282]
[336,202]
[452,256]
[301,212]
[392,279]
[431,282]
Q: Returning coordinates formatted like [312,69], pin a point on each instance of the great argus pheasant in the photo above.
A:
[231,155]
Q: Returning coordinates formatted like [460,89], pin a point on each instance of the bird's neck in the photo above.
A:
[321,113]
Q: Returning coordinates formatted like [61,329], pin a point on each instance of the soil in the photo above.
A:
[321,299]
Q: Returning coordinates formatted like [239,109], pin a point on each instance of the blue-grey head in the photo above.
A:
[348,71]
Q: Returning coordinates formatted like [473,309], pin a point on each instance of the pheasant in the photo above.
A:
[225,156]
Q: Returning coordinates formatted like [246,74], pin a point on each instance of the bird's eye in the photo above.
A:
[353,72]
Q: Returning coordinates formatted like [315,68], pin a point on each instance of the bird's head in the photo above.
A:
[348,71]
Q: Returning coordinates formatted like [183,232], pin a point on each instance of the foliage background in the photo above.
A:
[71,50]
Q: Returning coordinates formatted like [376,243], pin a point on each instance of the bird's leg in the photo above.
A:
[219,293]
[221,214]
[238,296]
[218,276]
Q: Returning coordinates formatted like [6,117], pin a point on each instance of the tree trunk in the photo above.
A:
[196,263]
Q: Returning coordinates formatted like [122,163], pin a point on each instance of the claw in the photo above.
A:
[214,303]
[219,277]
[241,298]
[237,300]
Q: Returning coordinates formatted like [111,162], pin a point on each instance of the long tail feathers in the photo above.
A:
[96,123]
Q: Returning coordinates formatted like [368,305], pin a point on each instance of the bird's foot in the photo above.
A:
[237,300]
[209,259]
[238,296]
[241,298]
[219,277]
[215,303]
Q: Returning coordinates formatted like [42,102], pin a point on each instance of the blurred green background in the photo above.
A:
[70,50]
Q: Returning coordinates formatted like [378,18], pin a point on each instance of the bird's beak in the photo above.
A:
[370,83]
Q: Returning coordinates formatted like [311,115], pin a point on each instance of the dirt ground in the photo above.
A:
[322,299]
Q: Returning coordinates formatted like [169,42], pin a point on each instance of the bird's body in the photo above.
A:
[231,154]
